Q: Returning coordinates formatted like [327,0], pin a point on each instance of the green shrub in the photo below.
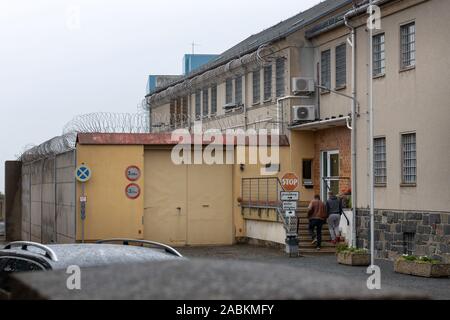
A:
[342,248]
[411,258]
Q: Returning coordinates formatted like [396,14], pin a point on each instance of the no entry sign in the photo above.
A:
[290,182]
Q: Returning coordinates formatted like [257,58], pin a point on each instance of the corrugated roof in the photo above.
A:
[147,139]
[273,33]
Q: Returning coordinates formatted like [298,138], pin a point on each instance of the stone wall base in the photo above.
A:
[406,232]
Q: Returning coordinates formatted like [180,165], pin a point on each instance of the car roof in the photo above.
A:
[94,255]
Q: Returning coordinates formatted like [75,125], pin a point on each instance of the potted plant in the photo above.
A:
[422,267]
[352,256]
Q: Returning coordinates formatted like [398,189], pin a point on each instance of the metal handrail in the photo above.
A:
[126,242]
[49,253]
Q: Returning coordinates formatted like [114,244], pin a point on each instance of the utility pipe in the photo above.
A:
[353,133]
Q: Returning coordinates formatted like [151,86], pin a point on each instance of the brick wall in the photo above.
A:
[338,138]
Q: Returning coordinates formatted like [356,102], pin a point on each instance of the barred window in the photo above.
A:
[408,45]
[198,104]
[280,77]
[256,86]
[409,159]
[172,113]
[325,69]
[341,65]
[205,106]
[214,99]
[229,91]
[380,173]
[379,62]
[184,110]
[238,90]
[267,83]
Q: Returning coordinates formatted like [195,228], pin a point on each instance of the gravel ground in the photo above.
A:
[435,288]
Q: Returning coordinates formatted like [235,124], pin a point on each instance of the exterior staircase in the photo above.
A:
[305,246]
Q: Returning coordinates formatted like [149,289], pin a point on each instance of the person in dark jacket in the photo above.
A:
[317,215]
[334,210]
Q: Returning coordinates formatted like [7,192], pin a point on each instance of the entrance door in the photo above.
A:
[330,173]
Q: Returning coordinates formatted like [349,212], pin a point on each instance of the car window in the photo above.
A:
[16,264]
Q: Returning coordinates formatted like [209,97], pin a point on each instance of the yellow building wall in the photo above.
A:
[110,214]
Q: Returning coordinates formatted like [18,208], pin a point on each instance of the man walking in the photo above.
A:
[334,210]
[317,216]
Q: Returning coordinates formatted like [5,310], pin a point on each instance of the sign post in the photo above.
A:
[83,174]
[289,199]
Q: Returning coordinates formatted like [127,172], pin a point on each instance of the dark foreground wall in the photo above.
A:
[13,215]
[405,232]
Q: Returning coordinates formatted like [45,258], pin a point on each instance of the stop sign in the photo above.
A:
[290,182]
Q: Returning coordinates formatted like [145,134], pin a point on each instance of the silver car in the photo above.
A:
[30,256]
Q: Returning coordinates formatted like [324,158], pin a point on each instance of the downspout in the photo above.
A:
[354,115]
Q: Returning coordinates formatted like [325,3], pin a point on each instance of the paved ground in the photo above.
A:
[435,288]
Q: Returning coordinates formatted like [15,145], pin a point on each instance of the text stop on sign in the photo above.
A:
[290,182]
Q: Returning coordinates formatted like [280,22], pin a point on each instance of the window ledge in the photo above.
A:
[404,69]
[256,104]
[408,185]
[268,101]
[381,185]
[343,87]
[379,76]
[324,92]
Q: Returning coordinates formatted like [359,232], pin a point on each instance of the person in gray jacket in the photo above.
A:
[334,211]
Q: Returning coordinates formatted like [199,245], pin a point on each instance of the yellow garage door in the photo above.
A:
[165,209]
[187,205]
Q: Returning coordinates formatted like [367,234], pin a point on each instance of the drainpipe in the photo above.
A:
[352,42]
[280,112]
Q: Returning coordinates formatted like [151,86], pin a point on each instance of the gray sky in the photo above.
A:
[52,69]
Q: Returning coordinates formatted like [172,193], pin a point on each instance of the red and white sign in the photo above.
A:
[133,191]
[290,182]
[133,173]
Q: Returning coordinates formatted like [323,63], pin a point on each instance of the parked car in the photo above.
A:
[30,256]
[26,256]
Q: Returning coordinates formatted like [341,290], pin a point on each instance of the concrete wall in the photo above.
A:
[266,231]
[11,204]
[48,199]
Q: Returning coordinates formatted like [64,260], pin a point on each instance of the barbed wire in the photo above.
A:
[103,122]
[89,123]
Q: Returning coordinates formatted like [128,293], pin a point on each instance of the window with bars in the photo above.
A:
[409,243]
[409,159]
[205,105]
[280,77]
[267,83]
[229,91]
[408,45]
[214,99]
[325,69]
[238,90]
[184,110]
[172,113]
[380,171]
[379,62]
[198,104]
[256,86]
[341,65]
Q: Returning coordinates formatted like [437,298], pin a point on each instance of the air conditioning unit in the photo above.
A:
[305,86]
[304,113]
